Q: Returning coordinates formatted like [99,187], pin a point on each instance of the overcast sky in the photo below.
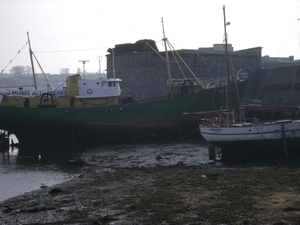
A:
[62,32]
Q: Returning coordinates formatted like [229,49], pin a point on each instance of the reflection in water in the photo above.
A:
[26,169]
[5,158]
[32,156]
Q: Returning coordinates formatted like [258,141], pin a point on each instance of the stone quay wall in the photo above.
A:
[144,75]
[278,86]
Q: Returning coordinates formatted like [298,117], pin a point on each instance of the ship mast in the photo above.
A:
[228,86]
[32,65]
[167,60]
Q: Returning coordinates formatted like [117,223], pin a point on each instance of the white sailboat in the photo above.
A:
[244,140]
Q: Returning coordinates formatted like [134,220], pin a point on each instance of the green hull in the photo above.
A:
[88,126]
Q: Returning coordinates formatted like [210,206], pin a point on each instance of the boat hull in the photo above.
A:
[87,126]
[280,139]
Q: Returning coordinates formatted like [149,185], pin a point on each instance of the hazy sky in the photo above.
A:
[62,32]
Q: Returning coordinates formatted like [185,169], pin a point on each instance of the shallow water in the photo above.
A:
[21,172]
[24,171]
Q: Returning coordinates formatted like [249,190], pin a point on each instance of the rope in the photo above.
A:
[235,83]
[60,85]
[14,58]
[189,103]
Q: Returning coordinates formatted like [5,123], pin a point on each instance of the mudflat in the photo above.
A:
[171,183]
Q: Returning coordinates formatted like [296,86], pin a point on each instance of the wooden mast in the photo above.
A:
[228,86]
[167,60]
[32,65]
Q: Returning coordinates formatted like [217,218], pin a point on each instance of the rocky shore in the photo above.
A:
[170,183]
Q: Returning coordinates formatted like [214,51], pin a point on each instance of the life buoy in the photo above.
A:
[89,91]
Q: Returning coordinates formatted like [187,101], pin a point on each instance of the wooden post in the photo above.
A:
[284,142]
[73,140]
[134,139]
[180,133]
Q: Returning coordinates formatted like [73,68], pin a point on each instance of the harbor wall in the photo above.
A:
[278,86]
[144,75]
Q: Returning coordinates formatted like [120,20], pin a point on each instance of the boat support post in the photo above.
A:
[284,142]
[73,139]
[212,152]
[180,133]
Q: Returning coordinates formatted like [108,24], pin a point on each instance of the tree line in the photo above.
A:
[27,70]
[22,75]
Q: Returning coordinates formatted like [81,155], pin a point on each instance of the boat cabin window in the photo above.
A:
[111,84]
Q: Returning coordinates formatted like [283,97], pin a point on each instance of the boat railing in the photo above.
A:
[215,82]
[186,81]
[193,81]
[242,76]
[254,102]
[223,80]
[209,83]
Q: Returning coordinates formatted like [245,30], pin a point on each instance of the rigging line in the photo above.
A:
[61,85]
[264,83]
[66,39]
[75,50]
[201,58]
[294,80]
[189,104]
[189,69]
[155,51]
[54,52]
[14,57]
[45,76]
[234,78]
[177,61]
[50,51]
[292,23]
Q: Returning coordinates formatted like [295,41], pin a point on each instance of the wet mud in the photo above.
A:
[172,183]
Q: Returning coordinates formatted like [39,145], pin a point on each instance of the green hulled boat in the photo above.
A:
[72,119]
[90,112]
